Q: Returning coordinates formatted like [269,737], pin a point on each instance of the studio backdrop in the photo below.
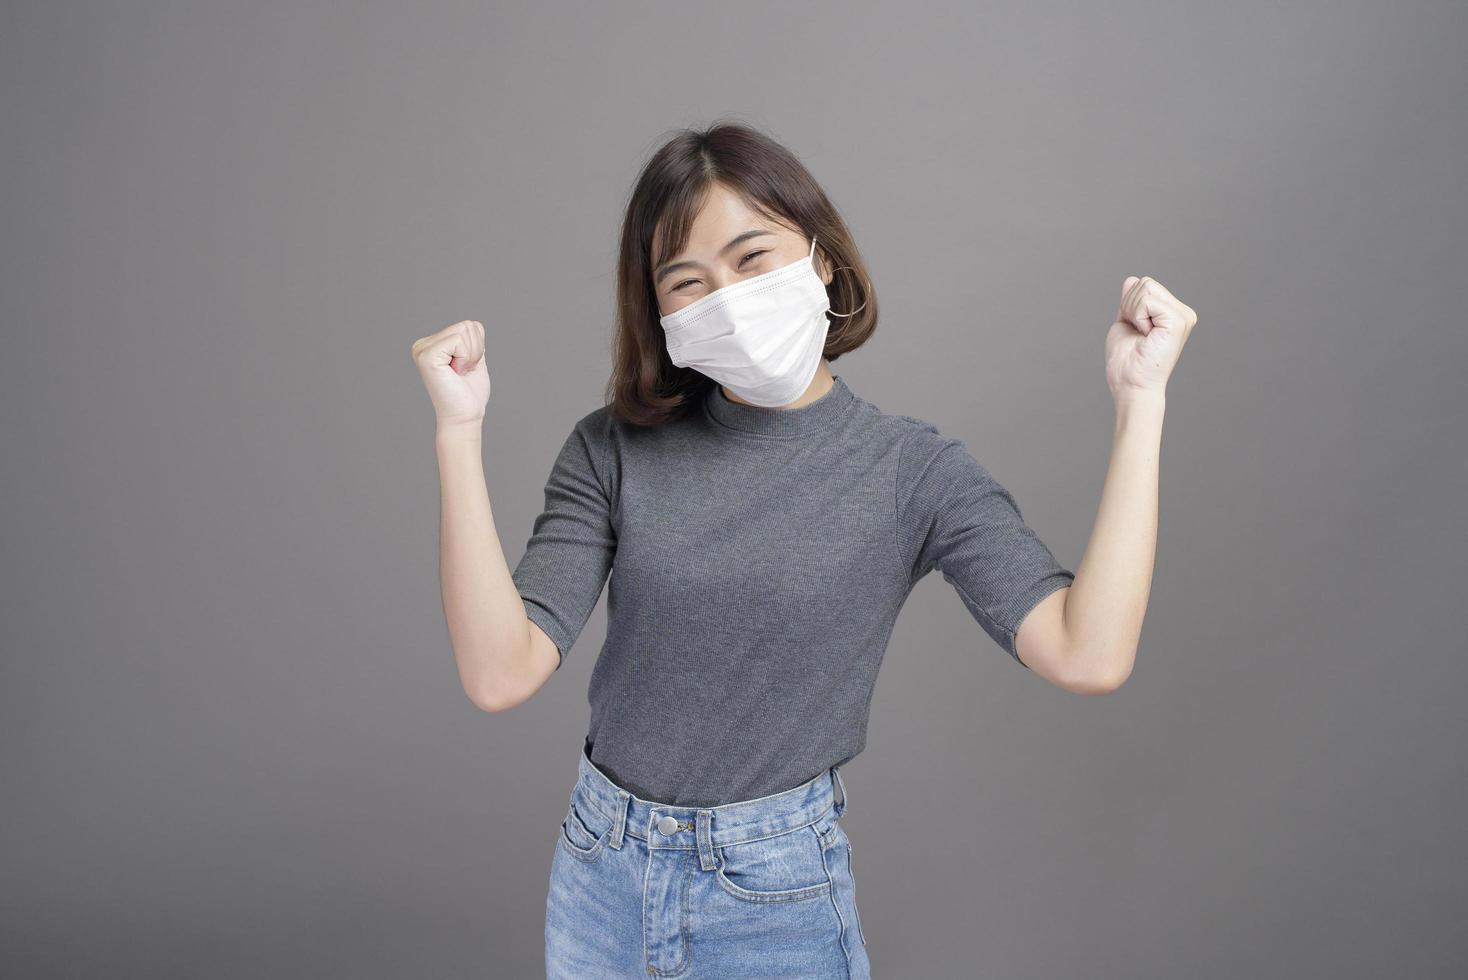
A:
[233,739]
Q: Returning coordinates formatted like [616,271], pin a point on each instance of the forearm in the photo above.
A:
[1108,599]
[486,619]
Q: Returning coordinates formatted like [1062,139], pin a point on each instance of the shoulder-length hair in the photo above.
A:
[646,388]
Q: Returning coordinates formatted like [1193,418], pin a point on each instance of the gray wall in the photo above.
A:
[232,740]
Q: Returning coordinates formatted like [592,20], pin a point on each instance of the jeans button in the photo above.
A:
[668,826]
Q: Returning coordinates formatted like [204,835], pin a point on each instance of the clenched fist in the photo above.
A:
[451,363]
[1143,345]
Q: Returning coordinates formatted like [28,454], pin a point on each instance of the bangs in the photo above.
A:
[677,217]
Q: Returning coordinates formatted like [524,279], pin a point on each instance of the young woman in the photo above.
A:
[762,525]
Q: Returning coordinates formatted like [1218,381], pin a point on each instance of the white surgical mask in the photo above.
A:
[761,337]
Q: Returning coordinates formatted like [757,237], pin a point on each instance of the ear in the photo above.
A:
[823,268]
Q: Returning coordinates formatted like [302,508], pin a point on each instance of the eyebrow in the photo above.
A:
[668,267]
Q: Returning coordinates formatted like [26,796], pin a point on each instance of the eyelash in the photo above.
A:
[758,251]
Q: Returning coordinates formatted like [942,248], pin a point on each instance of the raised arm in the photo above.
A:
[1088,641]
[1078,630]
[501,656]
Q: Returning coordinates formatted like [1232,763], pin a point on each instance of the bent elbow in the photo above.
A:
[1102,681]
[493,701]
[1091,672]
[1100,686]
[501,694]
[486,701]
[512,683]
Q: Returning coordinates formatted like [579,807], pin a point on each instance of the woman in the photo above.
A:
[767,524]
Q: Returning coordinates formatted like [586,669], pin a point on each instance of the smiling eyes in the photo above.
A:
[758,251]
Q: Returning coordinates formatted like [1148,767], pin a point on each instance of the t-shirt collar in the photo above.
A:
[758,420]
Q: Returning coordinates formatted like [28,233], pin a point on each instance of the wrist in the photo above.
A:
[460,431]
[1140,396]
[1141,404]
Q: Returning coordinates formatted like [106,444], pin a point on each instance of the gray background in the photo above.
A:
[232,736]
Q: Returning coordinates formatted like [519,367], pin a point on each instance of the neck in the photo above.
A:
[783,422]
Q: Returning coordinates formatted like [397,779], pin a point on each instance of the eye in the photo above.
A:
[679,285]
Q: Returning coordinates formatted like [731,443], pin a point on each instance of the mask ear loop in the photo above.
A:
[833,275]
[863,302]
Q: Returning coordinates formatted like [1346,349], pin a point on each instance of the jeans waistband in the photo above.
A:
[704,828]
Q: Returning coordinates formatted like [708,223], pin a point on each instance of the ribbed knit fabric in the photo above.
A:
[758,559]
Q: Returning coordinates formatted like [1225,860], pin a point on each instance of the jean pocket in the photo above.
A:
[788,867]
[584,831]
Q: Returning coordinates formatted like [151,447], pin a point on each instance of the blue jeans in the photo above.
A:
[756,888]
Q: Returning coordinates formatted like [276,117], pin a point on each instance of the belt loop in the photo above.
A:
[619,822]
[701,820]
[841,804]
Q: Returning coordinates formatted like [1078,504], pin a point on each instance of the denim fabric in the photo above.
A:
[755,888]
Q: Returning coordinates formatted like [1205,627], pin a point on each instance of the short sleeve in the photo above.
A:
[572,541]
[954,516]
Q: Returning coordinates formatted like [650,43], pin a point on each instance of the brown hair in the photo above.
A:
[646,387]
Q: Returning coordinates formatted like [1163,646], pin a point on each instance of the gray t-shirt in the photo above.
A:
[758,560]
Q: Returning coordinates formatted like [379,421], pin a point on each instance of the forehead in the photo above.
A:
[721,215]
